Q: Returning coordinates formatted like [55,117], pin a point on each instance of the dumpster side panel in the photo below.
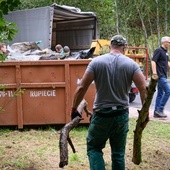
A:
[44,106]
[8,103]
[8,108]
[48,92]
[7,75]
[41,73]
[44,97]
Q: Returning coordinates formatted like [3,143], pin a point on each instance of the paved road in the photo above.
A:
[136,105]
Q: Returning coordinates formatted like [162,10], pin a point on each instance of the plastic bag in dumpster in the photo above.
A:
[22,47]
[86,54]
[83,54]
[22,57]
[28,51]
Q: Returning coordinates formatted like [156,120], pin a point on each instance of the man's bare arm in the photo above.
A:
[153,64]
[140,82]
[82,88]
[169,64]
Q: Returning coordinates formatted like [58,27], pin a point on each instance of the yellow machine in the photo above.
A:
[102,46]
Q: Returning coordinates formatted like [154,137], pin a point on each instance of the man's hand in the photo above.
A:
[75,113]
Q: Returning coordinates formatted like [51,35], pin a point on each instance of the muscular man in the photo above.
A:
[113,74]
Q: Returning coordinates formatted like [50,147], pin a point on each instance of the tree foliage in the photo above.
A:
[8,5]
[28,4]
[143,23]
[7,29]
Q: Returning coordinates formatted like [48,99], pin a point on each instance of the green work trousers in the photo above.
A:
[114,128]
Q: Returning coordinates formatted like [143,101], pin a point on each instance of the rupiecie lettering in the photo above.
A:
[46,93]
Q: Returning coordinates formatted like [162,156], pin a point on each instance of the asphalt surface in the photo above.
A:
[136,105]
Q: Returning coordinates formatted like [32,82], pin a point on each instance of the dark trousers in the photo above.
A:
[114,128]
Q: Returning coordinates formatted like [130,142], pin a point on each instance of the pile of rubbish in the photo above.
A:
[30,51]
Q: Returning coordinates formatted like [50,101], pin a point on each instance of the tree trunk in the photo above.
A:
[64,134]
[166,18]
[117,18]
[142,20]
[142,121]
[157,22]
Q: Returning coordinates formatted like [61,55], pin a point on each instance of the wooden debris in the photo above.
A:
[64,134]
[142,121]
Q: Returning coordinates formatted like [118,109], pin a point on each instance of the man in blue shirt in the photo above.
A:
[160,64]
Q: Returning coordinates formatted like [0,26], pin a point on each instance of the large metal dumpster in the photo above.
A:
[49,87]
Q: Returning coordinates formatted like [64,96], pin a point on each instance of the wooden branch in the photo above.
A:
[64,134]
[142,120]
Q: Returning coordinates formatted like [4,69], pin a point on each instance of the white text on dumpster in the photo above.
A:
[46,93]
[6,93]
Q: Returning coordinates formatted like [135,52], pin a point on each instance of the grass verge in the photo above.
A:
[38,149]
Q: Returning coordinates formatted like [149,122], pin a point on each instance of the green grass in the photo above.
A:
[74,158]
[39,148]
[153,129]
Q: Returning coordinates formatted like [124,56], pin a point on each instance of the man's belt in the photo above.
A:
[111,111]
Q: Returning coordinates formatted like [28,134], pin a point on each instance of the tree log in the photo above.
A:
[64,134]
[142,120]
